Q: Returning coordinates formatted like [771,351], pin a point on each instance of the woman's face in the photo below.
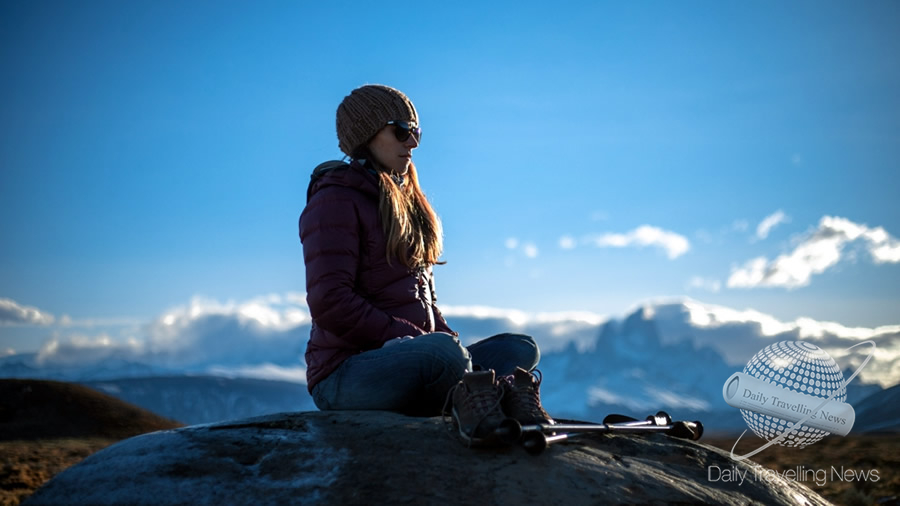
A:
[391,153]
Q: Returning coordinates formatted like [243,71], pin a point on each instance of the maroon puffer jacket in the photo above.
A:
[357,301]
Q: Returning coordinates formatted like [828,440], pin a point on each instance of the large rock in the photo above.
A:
[385,458]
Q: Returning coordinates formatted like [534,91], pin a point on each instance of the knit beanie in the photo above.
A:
[366,110]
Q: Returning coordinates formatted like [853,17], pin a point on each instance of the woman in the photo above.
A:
[370,240]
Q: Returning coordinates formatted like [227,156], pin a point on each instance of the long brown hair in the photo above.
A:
[411,227]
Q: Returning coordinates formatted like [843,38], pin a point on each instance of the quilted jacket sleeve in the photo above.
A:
[329,230]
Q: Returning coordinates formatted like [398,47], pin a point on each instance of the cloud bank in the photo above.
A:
[821,250]
[13,313]
[264,337]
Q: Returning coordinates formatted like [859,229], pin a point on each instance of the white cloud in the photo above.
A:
[599,395]
[679,400]
[567,242]
[13,313]
[272,312]
[521,318]
[751,274]
[770,222]
[673,244]
[818,252]
[555,330]
[67,321]
[883,247]
[80,349]
[529,249]
[516,318]
[709,285]
[267,371]
[712,316]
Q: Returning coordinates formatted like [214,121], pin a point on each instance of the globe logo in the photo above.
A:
[799,367]
[792,393]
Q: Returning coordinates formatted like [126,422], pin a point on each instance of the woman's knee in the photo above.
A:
[510,336]
[524,344]
[505,352]
[447,349]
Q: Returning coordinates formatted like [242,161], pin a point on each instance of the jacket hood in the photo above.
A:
[353,175]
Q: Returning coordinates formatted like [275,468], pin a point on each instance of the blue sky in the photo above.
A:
[586,157]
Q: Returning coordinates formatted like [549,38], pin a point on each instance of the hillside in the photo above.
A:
[48,426]
[39,409]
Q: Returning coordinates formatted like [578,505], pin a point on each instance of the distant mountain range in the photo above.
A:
[672,356]
[204,399]
[878,412]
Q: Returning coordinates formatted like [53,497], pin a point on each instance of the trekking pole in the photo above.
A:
[660,418]
[535,440]
[685,430]
[509,431]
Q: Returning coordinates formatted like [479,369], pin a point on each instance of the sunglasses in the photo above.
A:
[402,130]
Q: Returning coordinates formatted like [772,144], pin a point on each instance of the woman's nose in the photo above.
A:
[411,142]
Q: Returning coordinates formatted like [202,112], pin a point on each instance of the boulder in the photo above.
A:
[375,457]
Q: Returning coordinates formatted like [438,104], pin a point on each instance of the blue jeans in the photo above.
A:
[414,376]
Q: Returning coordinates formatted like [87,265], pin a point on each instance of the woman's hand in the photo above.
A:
[396,340]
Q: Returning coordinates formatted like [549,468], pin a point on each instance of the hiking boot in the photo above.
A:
[476,408]
[522,398]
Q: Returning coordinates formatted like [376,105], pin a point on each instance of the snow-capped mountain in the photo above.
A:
[629,370]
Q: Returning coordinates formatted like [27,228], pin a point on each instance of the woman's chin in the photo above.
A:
[401,169]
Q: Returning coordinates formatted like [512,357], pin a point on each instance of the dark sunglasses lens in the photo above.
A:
[402,131]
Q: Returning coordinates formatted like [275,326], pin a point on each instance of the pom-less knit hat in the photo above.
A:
[366,110]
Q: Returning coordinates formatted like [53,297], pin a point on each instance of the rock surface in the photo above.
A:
[385,458]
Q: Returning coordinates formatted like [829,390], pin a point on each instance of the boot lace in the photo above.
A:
[525,400]
[483,402]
